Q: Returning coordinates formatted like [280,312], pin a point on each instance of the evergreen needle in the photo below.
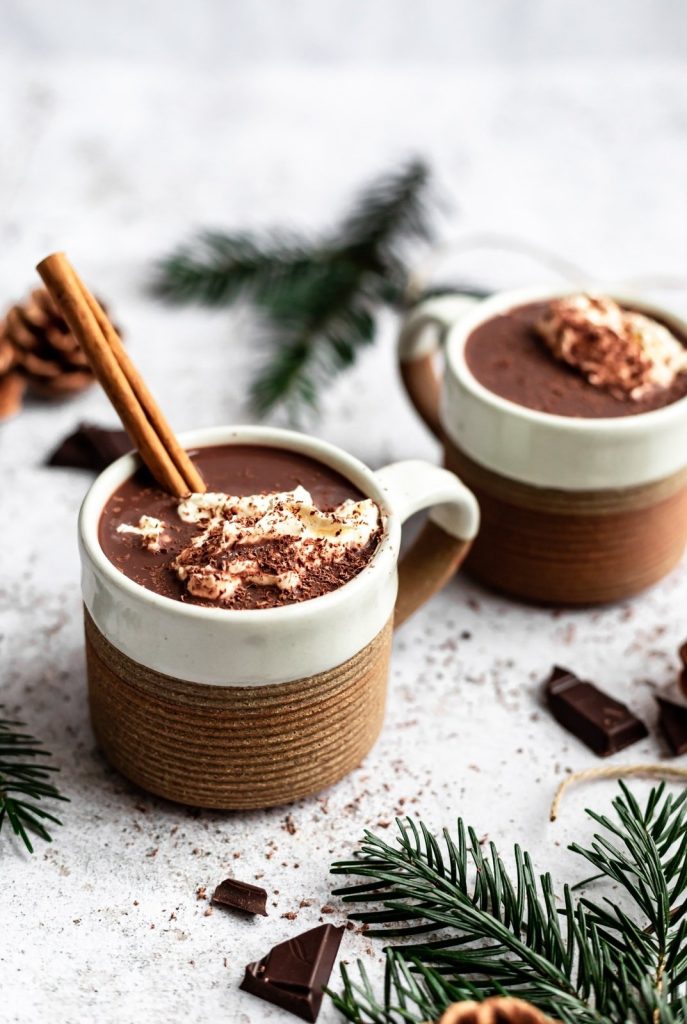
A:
[319,295]
[477,930]
[24,783]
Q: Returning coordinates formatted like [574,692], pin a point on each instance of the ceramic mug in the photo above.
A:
[574,511]
[253,708]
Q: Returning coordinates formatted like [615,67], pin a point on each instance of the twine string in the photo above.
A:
[667,773]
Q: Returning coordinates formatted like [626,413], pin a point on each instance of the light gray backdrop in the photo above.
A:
[229,32]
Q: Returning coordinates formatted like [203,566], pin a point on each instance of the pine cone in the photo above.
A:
[46,355]
[498,1010]
[12,384]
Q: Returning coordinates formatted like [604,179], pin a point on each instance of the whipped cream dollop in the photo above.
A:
[150,530]
[620,350]
[277,540]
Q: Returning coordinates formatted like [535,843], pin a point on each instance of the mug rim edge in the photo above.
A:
[460,331]
[92,507]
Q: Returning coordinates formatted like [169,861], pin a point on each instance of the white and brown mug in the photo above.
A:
[574,510]
[258,707]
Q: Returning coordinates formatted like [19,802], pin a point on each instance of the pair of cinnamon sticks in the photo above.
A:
[141,416]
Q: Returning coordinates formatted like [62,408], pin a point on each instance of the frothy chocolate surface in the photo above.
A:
[238,470]
[507,357]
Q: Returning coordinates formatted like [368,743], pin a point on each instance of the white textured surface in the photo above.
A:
[114,164]
[221,33]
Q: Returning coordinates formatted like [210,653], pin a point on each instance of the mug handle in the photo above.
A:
[422,335]
[445,538]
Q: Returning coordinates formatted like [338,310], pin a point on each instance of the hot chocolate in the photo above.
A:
[580,355]
[275,527]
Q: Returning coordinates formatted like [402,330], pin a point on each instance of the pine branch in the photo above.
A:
[310,345]
[23,783]
[389,214]
[475,926]
[647,858]
[214,268]
[413,992]
[319,295]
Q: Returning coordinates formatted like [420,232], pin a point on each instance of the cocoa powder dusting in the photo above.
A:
[506,355]
[238,470]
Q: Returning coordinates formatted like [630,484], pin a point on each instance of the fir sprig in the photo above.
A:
[320,295]
[23,783]
[492,932]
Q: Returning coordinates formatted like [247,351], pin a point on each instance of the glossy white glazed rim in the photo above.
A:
[565,452]
[262,646]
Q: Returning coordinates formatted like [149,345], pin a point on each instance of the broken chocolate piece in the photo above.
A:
[600,721]
[90,447]
[293,974]
[682,651]
[251,899]
[672,719]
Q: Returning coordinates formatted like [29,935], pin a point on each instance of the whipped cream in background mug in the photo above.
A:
[623,351]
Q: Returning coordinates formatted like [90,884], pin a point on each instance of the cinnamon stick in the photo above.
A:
[152,410]
[122,383]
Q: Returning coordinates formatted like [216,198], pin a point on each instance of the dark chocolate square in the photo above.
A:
[90,447]
[603,723]
[294,973]
[251,899]
[672,718]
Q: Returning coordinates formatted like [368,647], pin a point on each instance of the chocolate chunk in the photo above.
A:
[293,974]
[251,899]
[600,721]
[90,447]
[672,719]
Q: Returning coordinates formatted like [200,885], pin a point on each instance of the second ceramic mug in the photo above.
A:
[252,708]
[574,510]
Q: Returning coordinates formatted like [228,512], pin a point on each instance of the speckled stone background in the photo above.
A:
[114,146]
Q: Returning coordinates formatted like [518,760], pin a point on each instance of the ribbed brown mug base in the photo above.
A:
[573,548]
[235,747]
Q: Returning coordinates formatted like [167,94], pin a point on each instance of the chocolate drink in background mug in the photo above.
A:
[241,701]
[582,489]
